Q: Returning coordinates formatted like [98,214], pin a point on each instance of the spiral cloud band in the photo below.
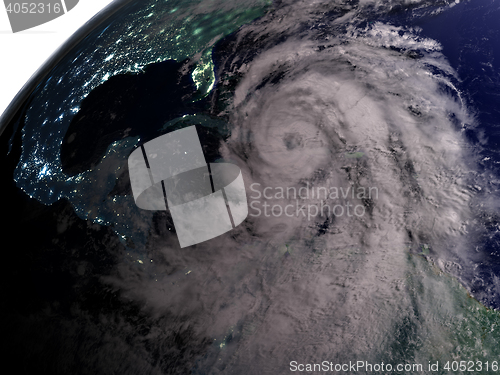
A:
[205,200]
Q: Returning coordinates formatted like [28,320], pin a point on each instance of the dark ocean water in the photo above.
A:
[469,34]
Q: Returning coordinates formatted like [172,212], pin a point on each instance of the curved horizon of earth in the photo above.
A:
[398,98]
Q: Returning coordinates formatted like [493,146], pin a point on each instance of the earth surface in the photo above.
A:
[394,102]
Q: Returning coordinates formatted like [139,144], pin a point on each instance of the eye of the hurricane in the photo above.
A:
[291,145]
[293,140]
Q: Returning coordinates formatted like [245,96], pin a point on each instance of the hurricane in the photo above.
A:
[369,202]
[338,111]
